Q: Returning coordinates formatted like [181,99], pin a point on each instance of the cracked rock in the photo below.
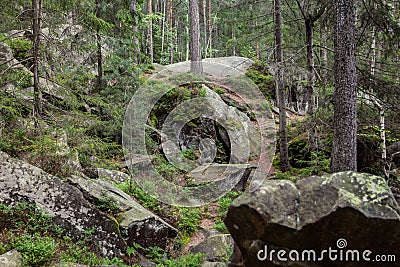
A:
[315,213]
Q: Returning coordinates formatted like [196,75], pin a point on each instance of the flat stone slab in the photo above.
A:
[214,172]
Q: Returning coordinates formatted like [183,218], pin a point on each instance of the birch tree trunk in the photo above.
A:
[187,38]
[150,13]
[204,5]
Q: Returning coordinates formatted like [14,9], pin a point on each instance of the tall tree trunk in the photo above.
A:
[187,38]
[344,150]
[382,129]
[204,5]
[312,135]
[36,27]
[171,33]
[163,26]
[150,13]
[210,28]
[133,10]
[196,66]
[99,54]
[324,51]
[233,38]
[284,154]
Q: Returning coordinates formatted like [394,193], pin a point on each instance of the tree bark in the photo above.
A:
[312,135]
[284,154]
[171,33]
[36,28]
[99,55]
[324,52]
[196,66]
[187,38]
[210,29]
[163,26]
[133,11]
[344,150]
[150,13]
[204,5]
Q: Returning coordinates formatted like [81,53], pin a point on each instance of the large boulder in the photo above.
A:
[20,181]
[343,212]
[137,224]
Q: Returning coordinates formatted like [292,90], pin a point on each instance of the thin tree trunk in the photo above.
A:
[204,3]
[187,38]
[133,10]
[99,80]
[373,50]
[36,27]
[210,28]
[99,55]
[324,52]
[233,38]
[257,46]
[284,154]
[312,138]
[171,33]
[150,13]
[344,150]
[196,66]
[163,26]
[381,108]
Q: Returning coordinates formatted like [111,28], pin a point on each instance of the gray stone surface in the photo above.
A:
[137,224]
[11,259]
[112,175]
[215,172]
[213,264]
[215,248]
[20,181]
[315,213]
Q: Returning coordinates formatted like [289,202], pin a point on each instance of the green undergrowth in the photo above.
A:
[41,243]
[32,233]
[223,206]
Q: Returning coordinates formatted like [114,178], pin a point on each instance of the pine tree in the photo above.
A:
[344,151]
[196,66]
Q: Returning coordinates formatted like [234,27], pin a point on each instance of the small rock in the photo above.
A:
[112,175]
[216,247]
[11,259]
[214,264]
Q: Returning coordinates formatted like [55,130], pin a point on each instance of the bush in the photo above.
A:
[190,260]
[35,249]
[21,48]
